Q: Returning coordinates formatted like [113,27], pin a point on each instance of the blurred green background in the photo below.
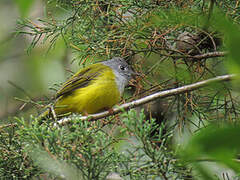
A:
[22,74]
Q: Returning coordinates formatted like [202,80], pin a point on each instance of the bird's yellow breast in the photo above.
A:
[101,93]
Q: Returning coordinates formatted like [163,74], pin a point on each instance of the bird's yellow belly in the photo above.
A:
[101,94]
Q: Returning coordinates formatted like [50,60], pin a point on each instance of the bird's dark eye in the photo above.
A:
[123,68]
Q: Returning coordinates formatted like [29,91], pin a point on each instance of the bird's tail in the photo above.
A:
[44,114]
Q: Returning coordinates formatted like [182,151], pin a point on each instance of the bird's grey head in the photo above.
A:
[122,71]
[120,66]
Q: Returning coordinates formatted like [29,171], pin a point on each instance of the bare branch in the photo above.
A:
[208,55]
[151,97]
[200,56]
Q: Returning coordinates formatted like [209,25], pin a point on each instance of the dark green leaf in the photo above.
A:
[217,143]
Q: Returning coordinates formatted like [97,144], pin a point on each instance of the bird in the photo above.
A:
[93,89]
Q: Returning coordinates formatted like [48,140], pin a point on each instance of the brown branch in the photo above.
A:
[151,97]
[208,55]
[200,56]
[197,57]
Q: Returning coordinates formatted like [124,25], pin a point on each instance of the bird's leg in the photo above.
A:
[111,111]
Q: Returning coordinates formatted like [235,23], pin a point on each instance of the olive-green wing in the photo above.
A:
[81,79]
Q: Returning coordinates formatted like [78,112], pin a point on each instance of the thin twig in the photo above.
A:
[208,55]
[7,125]
[150,98]
[196,57]
[200,56]
[19,88]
